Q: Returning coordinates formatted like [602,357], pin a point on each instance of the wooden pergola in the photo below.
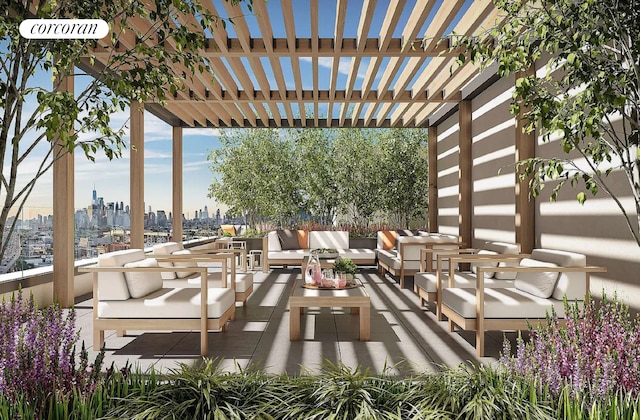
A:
[410,80]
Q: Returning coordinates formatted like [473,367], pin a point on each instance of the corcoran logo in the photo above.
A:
[64,28]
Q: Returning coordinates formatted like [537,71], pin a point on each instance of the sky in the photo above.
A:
[111,178]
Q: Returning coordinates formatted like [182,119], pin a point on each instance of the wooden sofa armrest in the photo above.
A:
[428,255]
[204,293]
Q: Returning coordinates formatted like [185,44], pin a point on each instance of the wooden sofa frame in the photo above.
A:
[480,324]
[402,272]
[205,255]
[204,323]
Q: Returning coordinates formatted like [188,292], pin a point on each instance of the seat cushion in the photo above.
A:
[539,284]
[500,303]
[141,283]
[244,281]
[427,281]
[358,255]
[291,254]
[487,274]
[113,286]
[169,303]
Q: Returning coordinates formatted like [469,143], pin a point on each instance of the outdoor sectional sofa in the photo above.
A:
[541,283]
[292,247]
[428,283]
[399,251]
[174,255]
[128,294]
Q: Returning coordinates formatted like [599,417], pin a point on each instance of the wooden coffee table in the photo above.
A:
[355,298]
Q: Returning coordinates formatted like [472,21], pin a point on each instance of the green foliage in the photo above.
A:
[404,167]
[589,95]
[256,175]
[345,265]
[49,122]
[359,174]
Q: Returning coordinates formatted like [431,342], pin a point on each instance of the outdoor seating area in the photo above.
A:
[132,292]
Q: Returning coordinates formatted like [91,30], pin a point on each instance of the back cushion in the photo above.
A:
[141,283]
[113,286]
[386,239]
[412,252]
[539,284]
[573,285]
[273,241]
[288,239]
[167,248]
[183,274]
[336,239]
[504,248]
[487,274]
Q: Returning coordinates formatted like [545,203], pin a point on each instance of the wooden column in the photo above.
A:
[433,179]
[63,217]
[525,208]
[136,171]
[177,184]
[465,178]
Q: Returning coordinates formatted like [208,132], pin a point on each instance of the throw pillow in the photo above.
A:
[288,239]
[539,284]
[141,283]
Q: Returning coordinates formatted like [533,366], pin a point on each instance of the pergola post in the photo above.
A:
[525,208]
[177,184]
[465,179]
[63,216]
[136,173]
[433,179]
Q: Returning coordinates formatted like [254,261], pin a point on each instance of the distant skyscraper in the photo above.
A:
[94,196]
[205,215]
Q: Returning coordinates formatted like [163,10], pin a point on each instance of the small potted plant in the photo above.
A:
[345,268]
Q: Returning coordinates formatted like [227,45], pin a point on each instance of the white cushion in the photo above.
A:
[273,242]
[183,274]
[358,255]
[167,248]
[504,248]
[487,274]
[288,254]
[508,303]
[243,281]
[170,303]
[539,284]
[335,239]
[428,281]
[571,285]
[142,283]
[113,286]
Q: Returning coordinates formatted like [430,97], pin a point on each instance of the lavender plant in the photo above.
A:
[594,356]
[38,357]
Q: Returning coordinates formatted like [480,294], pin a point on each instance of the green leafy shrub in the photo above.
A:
[345,265]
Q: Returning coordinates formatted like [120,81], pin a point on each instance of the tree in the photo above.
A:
[404,169]
[256,174]
[590,93]
[143,72]
[357,174]
[312,153]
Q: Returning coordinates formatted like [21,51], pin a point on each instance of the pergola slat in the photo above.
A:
[248,83]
